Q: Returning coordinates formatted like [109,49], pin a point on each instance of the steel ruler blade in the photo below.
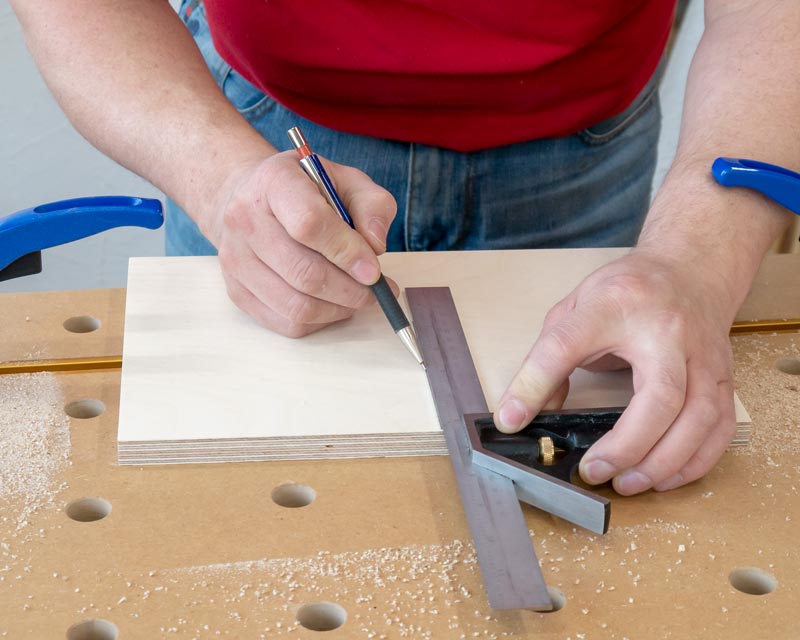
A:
[511,573]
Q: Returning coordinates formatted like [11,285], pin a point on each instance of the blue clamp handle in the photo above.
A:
[49,225]
[777,183]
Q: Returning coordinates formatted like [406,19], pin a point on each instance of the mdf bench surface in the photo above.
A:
[203,551]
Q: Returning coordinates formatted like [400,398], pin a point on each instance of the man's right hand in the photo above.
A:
[288,260]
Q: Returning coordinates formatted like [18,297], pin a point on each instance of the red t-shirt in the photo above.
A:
[452,73]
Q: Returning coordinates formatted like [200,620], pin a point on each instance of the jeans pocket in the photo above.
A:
[244,96]
[608,129]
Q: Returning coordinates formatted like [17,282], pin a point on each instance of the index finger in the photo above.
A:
[659,394]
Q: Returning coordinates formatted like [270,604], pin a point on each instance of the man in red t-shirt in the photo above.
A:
[466,79]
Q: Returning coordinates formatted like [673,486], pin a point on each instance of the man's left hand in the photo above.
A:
[670,323]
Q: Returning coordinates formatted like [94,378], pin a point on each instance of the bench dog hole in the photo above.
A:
[96,629]
[321,616]
[88,509]
[292,495]
[753,581]
[85,409]
[81,324]
[788,365]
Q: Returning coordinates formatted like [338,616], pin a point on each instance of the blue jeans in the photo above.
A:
[591,189]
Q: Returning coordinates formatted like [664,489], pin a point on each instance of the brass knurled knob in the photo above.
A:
[547,450]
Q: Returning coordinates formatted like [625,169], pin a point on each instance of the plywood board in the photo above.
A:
[202,382]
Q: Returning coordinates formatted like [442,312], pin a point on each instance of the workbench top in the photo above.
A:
[381,549]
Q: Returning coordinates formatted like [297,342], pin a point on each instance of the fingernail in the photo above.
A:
[632,482]
[672,483]
[365,272]
[512,415]
[597,471]
[378,230]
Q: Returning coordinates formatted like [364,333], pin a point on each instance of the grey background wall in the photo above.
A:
[42,159]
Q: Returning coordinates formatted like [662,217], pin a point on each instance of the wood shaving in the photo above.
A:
[771,396]
[34,445]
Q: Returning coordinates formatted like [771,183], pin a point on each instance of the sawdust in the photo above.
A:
[34,445]
[403,592]
[409,587]
[35,353]
[419,591]
[772,397]
[400,592]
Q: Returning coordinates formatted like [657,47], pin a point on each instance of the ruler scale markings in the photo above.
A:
[511,573]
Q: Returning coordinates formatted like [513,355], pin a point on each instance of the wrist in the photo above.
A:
[717,236]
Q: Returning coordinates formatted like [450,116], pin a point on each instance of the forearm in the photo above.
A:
[132,81]
[742,99]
